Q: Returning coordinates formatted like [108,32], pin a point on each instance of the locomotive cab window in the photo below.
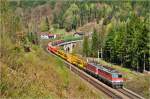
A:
[120,76]
[115,75]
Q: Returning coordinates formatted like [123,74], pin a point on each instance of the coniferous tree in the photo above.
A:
[74,23]
[95,43]
[127,44]
[109,46]
[118,42]
[85,46]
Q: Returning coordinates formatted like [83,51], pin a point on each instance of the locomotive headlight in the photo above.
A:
[117,81]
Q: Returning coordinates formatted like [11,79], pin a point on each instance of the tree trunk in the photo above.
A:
[101,53]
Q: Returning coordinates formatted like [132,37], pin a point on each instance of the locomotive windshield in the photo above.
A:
[114,75]
[119,75]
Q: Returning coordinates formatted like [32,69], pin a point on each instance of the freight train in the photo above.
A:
[104,73]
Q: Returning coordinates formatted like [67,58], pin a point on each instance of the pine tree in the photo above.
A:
[118,41]
[109,46]
[85,46]
[95,43]
[74,23]
[127,44]
[142,40]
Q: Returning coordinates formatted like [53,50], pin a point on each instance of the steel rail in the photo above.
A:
[130,94]
[97,84]
[113,93]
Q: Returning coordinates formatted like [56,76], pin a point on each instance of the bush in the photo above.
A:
[56,26]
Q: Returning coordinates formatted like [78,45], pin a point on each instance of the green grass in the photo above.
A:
[70,37]
[62,71]
[41,76]
[59,31]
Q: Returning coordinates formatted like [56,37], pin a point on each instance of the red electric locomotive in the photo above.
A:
[105,74]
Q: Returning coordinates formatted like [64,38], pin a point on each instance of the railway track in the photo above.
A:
[112,93]
[129,93]
[90,79]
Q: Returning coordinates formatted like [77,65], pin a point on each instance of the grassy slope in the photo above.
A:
[137,82]
[58,31]
[44,76]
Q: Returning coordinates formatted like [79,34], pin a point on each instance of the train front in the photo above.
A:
[117,80]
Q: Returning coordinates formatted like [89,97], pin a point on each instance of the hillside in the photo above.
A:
[42,76]
[27,71]
[119,34]
[135,81]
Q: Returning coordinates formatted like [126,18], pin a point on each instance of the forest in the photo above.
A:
[123,33]
[118,30]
